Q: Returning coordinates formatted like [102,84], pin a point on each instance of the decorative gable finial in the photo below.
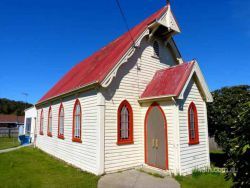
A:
[170,19]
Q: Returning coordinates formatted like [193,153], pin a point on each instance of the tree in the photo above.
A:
[228,122]
[13,107]
[239,154]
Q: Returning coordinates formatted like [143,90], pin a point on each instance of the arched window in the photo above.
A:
[193,124]
[41,123]
[61,122]
[49,128]
[125,123]
[77,122]
[156,49]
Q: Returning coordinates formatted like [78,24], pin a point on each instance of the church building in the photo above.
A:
[133,103]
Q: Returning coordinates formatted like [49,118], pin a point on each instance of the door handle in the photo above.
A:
[156,143]
[153,143]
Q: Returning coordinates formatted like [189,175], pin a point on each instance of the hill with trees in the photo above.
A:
[8,106]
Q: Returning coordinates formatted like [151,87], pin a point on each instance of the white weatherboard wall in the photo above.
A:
[193,156]
[82,155]
[30,113]
[130,81]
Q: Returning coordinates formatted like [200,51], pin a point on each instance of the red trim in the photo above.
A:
[77,140]
[48,132]
[130,139]
[73,129]
[145,134]
[41,120]
[196,127]
[61,136]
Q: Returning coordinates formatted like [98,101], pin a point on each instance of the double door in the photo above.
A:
[156,138]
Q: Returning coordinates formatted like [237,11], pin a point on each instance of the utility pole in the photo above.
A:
[26,96]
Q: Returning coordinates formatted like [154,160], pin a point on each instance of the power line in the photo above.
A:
[125,20]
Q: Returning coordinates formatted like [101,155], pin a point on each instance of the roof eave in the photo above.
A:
[109,77]
[29,108]
[69,93]
[156,98]
[10,122]
[206,92]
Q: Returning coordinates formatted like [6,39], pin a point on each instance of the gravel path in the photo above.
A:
[15,148]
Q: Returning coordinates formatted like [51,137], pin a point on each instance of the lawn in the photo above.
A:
[29,167]
[206,179]
[8,143]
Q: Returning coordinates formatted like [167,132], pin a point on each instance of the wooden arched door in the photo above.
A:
[156,150]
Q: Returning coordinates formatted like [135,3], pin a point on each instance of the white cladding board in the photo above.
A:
[30,113]
[83,155]
[129,83]
[193,156]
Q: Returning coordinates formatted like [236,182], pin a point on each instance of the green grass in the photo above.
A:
[217,151]
[8,143]
[208,180]
[29,167]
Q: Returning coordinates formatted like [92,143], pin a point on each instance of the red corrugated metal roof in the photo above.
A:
[96,67]
[168,82]
[11,118]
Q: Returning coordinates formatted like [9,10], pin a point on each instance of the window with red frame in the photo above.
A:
[77,122]
[49,129]
[41,122]
[193,124]
[125,123]
[61,122]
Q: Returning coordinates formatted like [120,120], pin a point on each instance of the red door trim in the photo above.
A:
[145,134]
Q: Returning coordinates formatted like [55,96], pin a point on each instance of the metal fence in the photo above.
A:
[9,132]
[213,145]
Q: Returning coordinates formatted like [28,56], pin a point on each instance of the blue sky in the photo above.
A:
[41,40]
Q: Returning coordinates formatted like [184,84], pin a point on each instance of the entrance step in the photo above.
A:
[154,171]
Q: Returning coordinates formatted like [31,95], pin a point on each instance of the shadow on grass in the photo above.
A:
[218,159]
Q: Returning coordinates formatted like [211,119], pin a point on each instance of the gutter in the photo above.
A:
[158,98]
[69,93]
